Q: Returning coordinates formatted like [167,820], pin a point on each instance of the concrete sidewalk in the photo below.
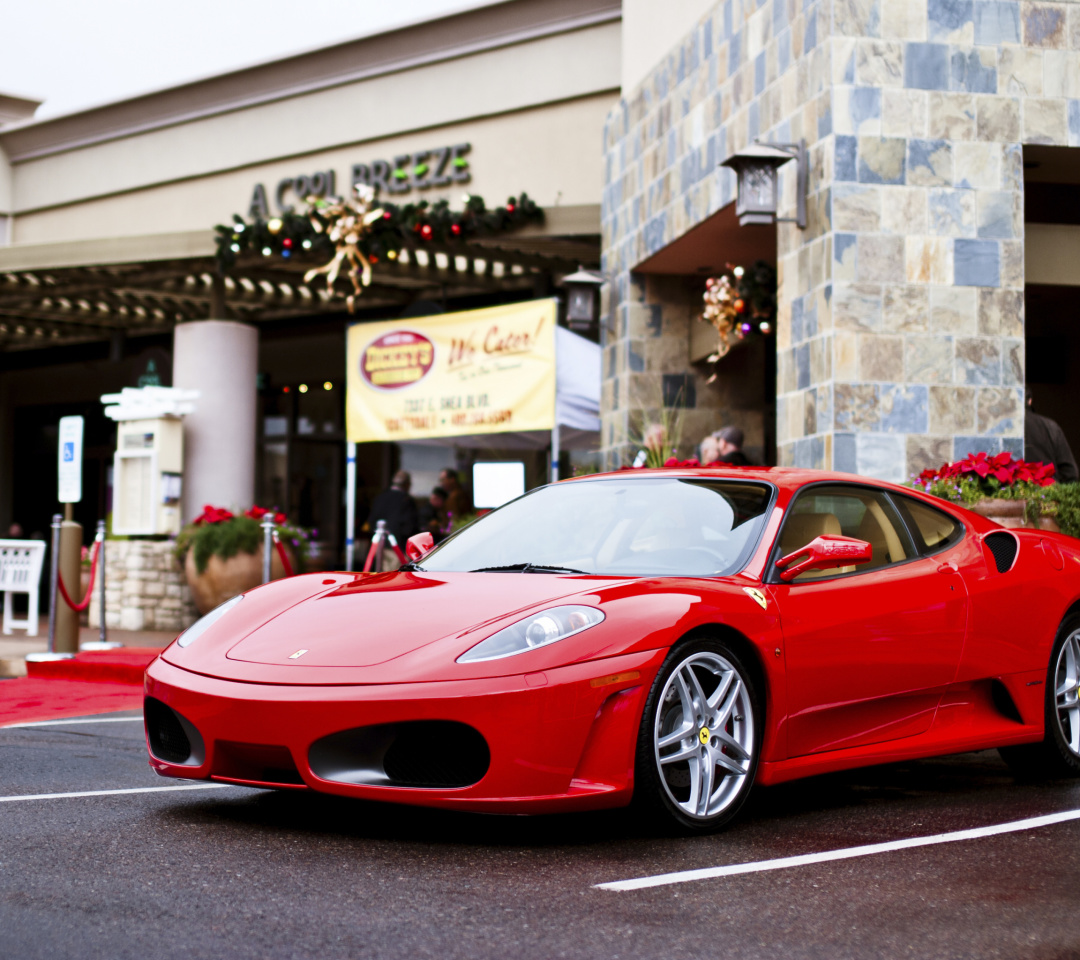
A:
[14,648]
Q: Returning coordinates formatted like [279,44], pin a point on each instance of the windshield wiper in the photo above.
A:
[527,568]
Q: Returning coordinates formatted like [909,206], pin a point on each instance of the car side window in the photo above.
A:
[850,512]
[937,530]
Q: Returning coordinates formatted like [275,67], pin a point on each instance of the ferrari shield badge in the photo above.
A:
[757,595]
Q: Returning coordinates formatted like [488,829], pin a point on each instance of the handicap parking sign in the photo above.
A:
[70,449]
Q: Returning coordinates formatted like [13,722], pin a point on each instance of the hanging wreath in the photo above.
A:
[354,235]
[740,304]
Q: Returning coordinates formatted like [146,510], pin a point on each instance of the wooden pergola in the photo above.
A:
[52,296]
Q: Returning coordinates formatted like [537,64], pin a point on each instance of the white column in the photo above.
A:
[220,359]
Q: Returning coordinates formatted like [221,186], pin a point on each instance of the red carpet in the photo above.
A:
[32,698]
[97,681]
[123,665]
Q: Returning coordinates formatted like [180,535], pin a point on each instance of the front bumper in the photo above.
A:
[564,739]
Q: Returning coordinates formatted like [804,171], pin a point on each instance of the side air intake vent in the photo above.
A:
[172,738]
[1003,546]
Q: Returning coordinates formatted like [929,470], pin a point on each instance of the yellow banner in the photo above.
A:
[480,371]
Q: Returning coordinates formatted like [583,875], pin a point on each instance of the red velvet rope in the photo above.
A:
[283,556]
[80,607]
[375,544]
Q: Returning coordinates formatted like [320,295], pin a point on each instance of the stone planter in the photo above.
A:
[225,578]
[1010,513]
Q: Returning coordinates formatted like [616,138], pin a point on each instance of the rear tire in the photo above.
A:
[1058,754]
[700,739]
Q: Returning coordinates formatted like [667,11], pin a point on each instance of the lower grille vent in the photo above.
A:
[168,740]
[257,762]
[1003,546]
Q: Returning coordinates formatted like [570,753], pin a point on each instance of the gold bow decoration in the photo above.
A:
[345,223]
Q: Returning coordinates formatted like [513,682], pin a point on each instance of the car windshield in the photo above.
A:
[660,526]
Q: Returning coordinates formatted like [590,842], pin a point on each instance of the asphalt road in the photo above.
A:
[239,873]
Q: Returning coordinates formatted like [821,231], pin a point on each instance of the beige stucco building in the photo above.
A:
[107,275]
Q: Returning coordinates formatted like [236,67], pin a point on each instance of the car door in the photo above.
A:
[870,649]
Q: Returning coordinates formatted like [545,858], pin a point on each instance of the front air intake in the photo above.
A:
[436,754]
[168,738]
[1003,546]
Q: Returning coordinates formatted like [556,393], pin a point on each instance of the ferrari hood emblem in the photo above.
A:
[297,655]
[757,595]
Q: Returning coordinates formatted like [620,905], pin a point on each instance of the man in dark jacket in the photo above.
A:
[397,508]
[1044,442]
[729,442]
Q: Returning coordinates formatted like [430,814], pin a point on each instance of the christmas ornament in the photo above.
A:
[344,223]
[740,306]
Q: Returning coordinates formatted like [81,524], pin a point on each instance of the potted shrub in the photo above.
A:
[1014,493]
[222,553]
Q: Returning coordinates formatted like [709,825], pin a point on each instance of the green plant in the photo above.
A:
[1062,502]
[220,533]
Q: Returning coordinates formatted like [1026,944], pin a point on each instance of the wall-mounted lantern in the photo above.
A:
[583,298]
[756,168]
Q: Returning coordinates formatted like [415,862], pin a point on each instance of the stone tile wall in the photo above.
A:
[900,328]
[145,588]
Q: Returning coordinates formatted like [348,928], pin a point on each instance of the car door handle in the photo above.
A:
[949,566]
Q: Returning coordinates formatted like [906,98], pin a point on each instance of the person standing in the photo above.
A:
[457,503]
[729,447]
[398,509]
[1044,442]
[433,514]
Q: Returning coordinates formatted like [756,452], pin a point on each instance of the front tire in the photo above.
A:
[700,737]
[1058,755]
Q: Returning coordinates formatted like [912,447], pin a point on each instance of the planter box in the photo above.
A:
[223,579]
[1010,513]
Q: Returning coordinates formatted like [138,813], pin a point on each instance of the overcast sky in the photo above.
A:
[77,53]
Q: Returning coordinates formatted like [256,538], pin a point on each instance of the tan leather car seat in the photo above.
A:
[878,531]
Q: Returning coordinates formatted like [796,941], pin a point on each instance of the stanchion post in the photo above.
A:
[102,634]
[268,544]
[380,539]
[54,572]
[350,504]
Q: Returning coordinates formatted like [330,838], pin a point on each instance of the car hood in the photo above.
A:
[373,620]
[336,628]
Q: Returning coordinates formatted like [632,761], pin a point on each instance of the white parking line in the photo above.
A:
[707,873]
[114,793]
[60,723]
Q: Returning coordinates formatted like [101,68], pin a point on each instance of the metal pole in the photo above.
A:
[555,453]
[54,573]
[350,504]
[380,539]
[268,545]
[103,638]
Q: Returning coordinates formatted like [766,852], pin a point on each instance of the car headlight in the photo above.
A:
[538,630]
[200,626]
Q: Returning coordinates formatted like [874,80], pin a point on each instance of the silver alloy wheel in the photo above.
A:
[703,735]
[1067,691]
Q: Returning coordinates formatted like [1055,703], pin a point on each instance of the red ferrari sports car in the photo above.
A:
[668,636]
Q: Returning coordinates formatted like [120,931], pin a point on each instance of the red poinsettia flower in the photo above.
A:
[212,514]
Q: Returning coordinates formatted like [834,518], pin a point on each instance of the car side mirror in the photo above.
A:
[418,545]
[824,552]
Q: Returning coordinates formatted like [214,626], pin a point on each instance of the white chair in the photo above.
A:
[20,572]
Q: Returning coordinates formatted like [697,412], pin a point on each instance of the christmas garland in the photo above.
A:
[409,225]
[740,305]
